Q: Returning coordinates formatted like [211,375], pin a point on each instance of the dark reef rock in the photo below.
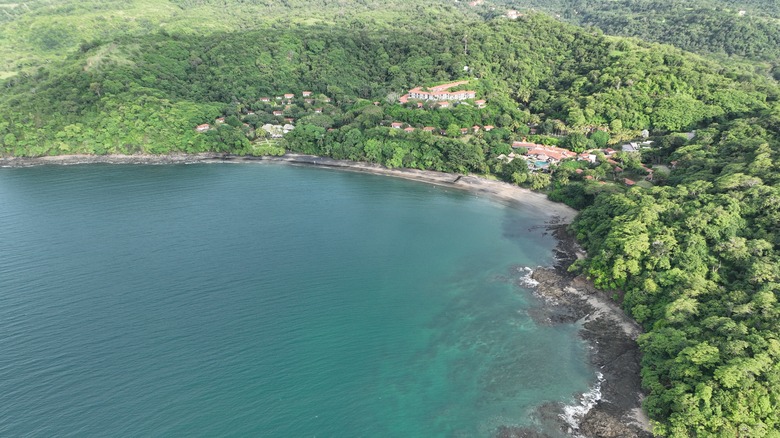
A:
[568,299]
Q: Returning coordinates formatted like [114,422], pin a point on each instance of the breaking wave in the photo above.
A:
[573,414]
[526,279]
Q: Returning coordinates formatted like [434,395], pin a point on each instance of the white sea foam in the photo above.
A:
[573,414]
[525,279]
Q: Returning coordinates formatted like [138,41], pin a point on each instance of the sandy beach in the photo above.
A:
[477,185]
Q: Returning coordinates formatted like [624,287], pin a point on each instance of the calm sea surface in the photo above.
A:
[268,300]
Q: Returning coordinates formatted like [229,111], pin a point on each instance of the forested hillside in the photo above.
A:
[691,252]
[36,32]
[749,29]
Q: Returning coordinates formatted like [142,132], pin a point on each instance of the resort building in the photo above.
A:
[439,93]
[541,153]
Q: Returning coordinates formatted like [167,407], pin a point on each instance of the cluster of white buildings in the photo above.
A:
[440,93]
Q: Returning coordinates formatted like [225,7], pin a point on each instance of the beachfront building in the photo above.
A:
[540,156]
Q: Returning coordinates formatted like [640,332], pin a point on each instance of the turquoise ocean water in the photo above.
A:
[268,300]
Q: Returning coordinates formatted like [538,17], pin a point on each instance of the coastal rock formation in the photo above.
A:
[612,336]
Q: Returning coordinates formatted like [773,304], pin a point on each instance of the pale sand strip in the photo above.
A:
[477,185]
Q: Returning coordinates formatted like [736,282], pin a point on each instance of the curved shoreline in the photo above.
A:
[611,335]
[615,353]
[477,185]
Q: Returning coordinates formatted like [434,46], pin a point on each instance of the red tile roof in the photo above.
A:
[553,152]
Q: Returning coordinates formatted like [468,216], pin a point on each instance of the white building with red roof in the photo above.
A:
[552,154]
[439,93]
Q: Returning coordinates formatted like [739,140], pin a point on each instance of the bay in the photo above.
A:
[269,300]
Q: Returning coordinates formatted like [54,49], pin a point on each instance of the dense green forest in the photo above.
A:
[692,254]
[697,260]
[748,29]
[35,33]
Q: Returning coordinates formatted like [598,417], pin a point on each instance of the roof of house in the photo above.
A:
[629,182]
[553,152]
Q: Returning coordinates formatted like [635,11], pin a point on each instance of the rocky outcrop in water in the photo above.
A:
[569,298]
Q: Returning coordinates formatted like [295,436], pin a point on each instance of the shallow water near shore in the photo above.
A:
[269,300]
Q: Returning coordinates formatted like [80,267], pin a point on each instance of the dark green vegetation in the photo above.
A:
[693,256]
[698,261]
[747,29]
